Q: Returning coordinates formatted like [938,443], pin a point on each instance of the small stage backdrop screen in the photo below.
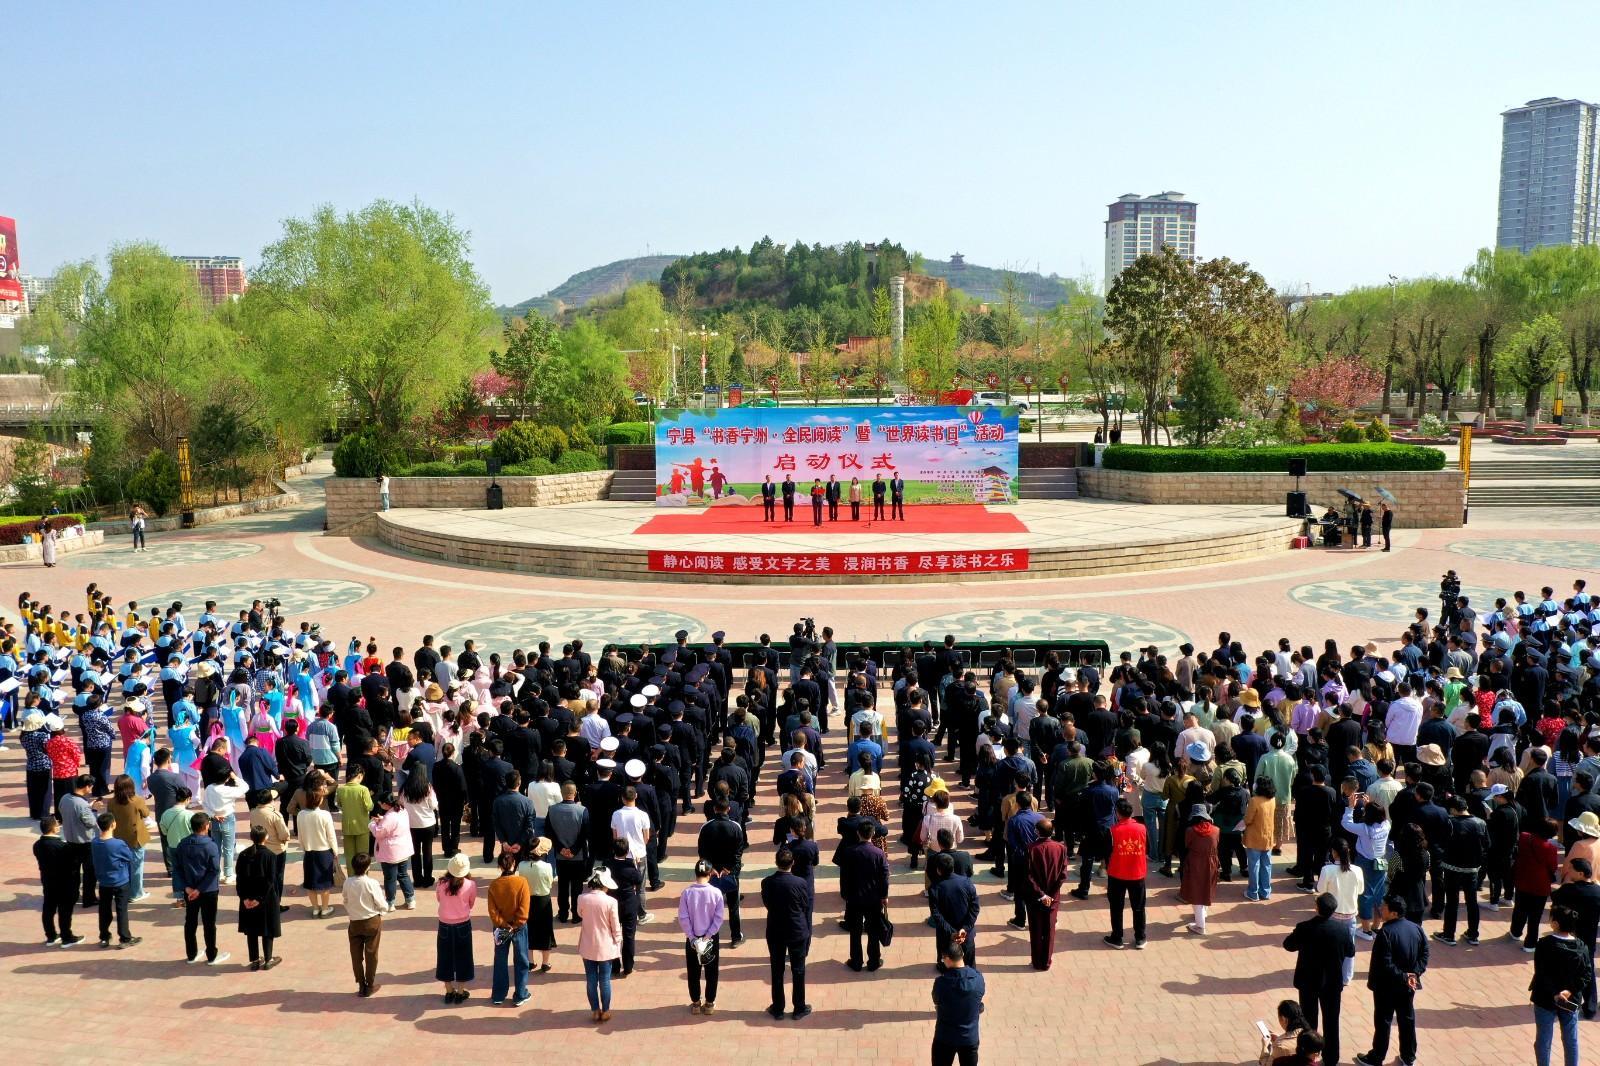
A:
[720,457]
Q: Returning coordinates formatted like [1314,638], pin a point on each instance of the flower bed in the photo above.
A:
[12,530]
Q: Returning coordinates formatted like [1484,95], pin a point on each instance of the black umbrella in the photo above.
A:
[1352,497]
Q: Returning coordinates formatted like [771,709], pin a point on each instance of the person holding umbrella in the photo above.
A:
[1386,518]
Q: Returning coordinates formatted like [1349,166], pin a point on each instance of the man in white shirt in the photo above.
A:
[872,718]
[219,801]
[365,905]
[631,825]
[1193,731]
[1401,724]
[592,726]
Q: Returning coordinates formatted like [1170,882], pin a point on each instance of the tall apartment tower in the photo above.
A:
[221,277]
[1549,174]
[1138,225]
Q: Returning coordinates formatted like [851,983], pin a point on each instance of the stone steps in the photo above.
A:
[1048,483]
[1536,470]
[1534,495]
[633,485]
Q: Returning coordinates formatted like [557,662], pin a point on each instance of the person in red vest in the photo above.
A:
[1125,872]
[1048,867]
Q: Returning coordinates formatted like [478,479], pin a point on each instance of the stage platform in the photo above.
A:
[919,518]
[1063,538]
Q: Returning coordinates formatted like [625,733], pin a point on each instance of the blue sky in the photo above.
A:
[1327,145]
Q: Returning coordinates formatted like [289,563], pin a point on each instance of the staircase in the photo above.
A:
[1564,481]
[633,485]
[1048,483]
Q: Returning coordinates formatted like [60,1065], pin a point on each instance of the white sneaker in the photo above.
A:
[195,958]
[408,905]
[140,896]
[646,918]
[222,957]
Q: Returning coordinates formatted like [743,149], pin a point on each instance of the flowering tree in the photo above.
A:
[490,385]
[1328,389]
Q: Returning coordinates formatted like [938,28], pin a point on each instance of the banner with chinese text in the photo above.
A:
[10,269]
[720,457]
[790,564]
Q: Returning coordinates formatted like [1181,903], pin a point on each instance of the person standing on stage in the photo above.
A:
[834,490]
[788,497]
[769,500]
[897,497]
[879,489]
[1386,523]
[855,499]
[817,494]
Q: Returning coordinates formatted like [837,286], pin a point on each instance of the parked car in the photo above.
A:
[998,399]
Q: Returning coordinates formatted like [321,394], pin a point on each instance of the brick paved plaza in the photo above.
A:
[1185,1000]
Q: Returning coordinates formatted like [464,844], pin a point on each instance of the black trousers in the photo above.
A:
[1017,885]
[1133,891]
[260,947]
[114,900]
[449,830]
[877,507]
[422,856]
[570,874]
[769,509]
[795,954]
[1527,910]
[855,510]
[80,870]
[788,510]
[1327,1003]
[59,900]
[708,968]
[38,794]
[865,919]
[1457,885]
[202,910]
[279,862]
[630,933]
[1387,1008]
[833,510]
[945,1054]
[730,899]
[897,509]
[1310,856]
[61,787]
[816,511]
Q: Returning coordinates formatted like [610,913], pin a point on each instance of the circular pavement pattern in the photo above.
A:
[1383,600]
[1560,554]
[1120,631]
[595,626]
[302,597]
[182,554]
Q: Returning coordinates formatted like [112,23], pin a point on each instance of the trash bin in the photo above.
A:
[496,498]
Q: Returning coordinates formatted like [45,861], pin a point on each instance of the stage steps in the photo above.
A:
[633,485]
[1563,467]
[1048,483]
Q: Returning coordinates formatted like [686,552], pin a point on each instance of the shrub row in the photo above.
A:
[12,530]
[572,462]
[1318,457]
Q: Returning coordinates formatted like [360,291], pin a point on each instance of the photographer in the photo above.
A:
[802,646]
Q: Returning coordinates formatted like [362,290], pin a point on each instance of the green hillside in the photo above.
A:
[594,283]
[983,283]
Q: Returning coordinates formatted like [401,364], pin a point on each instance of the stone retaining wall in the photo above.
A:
[1428,498]
[203,516]
[21,553]
[352,499]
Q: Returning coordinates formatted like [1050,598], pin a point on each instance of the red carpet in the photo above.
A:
[923,518]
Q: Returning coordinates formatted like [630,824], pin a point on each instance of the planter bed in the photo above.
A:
[1423,440]
[1533,441]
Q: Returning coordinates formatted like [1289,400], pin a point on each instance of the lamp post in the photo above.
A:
[704,339]
[1465,462]
[185,485]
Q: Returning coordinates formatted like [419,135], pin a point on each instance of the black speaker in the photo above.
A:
[1297,467]
[1296,507]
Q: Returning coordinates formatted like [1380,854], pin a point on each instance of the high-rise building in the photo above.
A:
[221,277]
[1138,225]
[1549,174]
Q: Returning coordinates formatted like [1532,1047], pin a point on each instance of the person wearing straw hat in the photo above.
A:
[456,894]
[1586,846]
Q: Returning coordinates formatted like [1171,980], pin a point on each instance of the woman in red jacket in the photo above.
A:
[1533,873]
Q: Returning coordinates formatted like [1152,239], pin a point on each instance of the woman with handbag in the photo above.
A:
[701,910]
[508,911]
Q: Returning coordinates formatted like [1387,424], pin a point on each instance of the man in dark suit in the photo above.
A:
[788,903]
[879,488]
[788,498]
[834,489]
[721,843]
[864,884]
[1399,959]
[954,902]
[1322,946]
[513,819]
[769,500]
[897,497]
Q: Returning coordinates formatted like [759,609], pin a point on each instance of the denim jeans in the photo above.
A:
[1260,871]
[223,830]
[1544,1024]
[136,874]
[597,978]
[401,871]
[1373,885]
[1155,813]
[1349,968]
[516,947]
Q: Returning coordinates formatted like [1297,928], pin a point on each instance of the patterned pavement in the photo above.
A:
[1183,1001]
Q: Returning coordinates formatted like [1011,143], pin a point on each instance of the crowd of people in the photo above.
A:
[1409,781]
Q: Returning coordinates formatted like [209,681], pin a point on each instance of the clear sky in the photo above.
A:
[1327,144]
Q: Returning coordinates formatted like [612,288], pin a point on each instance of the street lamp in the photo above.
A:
[704,339]
[1464,460]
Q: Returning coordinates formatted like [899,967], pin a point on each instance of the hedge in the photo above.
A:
[1318,457]
[570,463]
[629,433]
[12,530]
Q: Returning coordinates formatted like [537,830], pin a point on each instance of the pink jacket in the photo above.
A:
[600,937]
[391,837]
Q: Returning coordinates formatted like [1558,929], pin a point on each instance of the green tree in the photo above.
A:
[156,482]
[585,376]
[149,348]
[1150,311]
[1208,399]
[383,302]
[527,346]
[1238,320]
[229,445]
[56,320]
[1532,358]
[30,476]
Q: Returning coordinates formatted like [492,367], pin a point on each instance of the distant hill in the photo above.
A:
[594,283]
[983,283]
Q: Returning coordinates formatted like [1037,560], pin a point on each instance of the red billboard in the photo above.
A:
[850,564]
[10,271]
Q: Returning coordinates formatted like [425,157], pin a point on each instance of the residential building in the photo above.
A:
[1549,174]
[221,277]
[1138,225]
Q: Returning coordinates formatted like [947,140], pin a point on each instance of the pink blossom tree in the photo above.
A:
[1327,390]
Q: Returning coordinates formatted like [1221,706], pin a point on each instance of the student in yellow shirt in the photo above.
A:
[132,621]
